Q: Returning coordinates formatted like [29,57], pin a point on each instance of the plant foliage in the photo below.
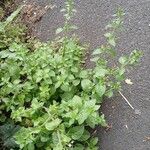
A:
[50,96]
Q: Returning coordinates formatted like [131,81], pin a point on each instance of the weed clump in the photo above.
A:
[47,96]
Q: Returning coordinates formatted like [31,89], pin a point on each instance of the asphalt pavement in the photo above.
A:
[130,130]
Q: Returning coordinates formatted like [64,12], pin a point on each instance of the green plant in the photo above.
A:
[51,96]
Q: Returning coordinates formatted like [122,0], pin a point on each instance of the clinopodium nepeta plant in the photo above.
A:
[47,93]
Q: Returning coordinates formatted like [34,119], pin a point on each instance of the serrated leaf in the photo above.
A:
[82,116]
[53,124]
[76,132]
[65,87]
[100,89]
[55,138]
[86,84]
[94,141]
[83,74]
[76,101]
[90,103]
[85,136]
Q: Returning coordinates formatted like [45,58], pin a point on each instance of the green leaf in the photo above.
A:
[38,79]
[94,118]
[90,103]
[112,42]
[95,59]
[2,27]
[53,124]
[76,82]
[76,132]
[82,116]
[65,138]
[76,101]
[67,95]
[55,138]
[108,35]
[121,71]
[103,121]
[52,73]
[5,54]
[83,74]
[59,30]
[123,60]
[85,136]
[24,136]
[79,147]
[65,87]
[73,27]
[111,38]
[58,147]
[97,51]
[100,72]
[100,89]
[109,93]
[86,84]
[74,69]
[94,141]
[44,138]
[58,84]
[31,146]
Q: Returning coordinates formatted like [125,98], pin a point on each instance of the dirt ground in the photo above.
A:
[130,130]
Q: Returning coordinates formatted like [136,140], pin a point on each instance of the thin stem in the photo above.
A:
[126,100]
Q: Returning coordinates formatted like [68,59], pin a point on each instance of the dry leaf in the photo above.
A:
[128,81]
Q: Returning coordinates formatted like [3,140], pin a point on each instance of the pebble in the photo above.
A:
[137,112]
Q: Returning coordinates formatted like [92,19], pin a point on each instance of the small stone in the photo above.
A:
[126,126]
[113,107]
[137,112]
